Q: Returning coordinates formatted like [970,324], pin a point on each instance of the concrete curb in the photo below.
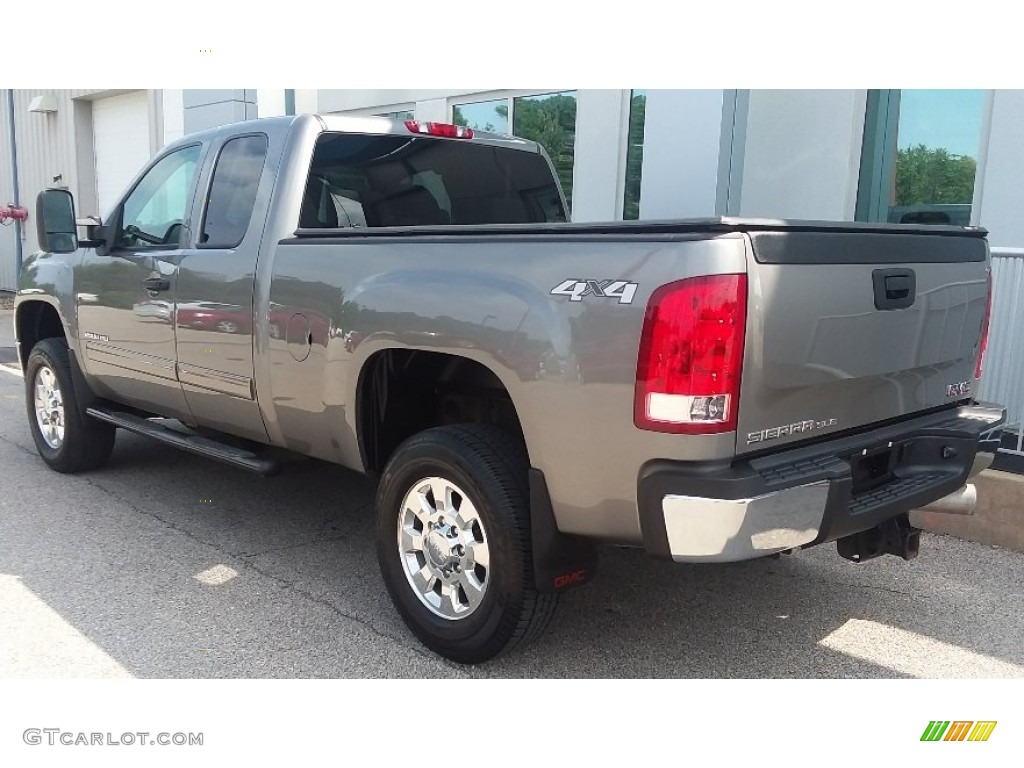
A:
[998,519]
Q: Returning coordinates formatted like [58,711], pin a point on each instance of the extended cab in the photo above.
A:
[408,300]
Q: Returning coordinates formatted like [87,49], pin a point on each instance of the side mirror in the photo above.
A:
[55,221]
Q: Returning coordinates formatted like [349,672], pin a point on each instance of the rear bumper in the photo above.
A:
[723,512]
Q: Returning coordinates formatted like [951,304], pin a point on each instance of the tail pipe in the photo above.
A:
[961,502]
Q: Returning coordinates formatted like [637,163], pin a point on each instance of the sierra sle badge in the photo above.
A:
[773,433]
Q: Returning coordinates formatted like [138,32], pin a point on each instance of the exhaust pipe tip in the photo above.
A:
[961,502]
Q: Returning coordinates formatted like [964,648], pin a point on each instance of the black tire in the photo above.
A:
[87,443]
[492,468]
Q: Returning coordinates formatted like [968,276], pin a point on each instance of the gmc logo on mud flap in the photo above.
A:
[570,579]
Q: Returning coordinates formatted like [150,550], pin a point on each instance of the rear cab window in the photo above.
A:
[232,198]
[360,180]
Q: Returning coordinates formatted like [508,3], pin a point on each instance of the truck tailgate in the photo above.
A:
[848,328]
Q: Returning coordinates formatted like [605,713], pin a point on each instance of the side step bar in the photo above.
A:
[203,446]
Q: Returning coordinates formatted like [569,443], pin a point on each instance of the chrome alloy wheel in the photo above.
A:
[49,406]
[443,548]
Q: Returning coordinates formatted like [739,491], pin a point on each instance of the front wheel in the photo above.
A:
[66,439]
[453,542]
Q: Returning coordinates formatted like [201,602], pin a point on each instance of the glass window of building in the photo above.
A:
[489,116]
[920,156]
[634,154]
[401,114]
[550,120]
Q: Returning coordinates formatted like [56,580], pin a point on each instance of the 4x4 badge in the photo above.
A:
[602,289]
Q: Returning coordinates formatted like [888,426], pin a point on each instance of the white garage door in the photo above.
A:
[120,126]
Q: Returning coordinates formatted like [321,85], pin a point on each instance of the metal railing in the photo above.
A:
[1002,380]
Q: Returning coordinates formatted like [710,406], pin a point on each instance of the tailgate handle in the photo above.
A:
[897,287]
[894,288]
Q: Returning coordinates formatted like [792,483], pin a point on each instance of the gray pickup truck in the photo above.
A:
[407,300]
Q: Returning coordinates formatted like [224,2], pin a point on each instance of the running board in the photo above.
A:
[203,446]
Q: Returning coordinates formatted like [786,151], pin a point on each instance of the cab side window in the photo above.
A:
[236,179]
[154,213]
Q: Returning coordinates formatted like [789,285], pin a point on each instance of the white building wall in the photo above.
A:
[801,157]
[47,148]
[599,165]
[211,108]
[381,99]
[173,115]
[999,199]
[307,100]
[61,144]
[431,110]
[682,139]
[270,102]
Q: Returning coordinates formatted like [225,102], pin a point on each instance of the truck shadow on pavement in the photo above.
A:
[127,560]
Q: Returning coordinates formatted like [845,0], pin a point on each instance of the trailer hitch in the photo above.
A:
[890,537]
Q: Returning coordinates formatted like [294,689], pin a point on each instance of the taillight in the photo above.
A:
[447,130]
[691,352]
[983,344]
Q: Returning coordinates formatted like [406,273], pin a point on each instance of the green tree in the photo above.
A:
[933,176]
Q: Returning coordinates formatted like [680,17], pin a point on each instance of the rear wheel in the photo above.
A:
[453,542]
[66,439]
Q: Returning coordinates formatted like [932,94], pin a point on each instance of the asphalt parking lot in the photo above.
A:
[167,565]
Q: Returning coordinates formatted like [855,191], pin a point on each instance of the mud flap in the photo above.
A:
[560,562]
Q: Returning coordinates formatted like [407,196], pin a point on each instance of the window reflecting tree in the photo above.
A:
[634,155]
[550,120]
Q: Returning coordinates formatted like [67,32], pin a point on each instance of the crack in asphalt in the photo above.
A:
[422,653]
[318,539]
[248,564]
[287,585]
[6,439]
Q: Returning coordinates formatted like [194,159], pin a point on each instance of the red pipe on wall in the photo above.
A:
[13,213]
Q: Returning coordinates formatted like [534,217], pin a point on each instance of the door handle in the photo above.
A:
[155,284]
